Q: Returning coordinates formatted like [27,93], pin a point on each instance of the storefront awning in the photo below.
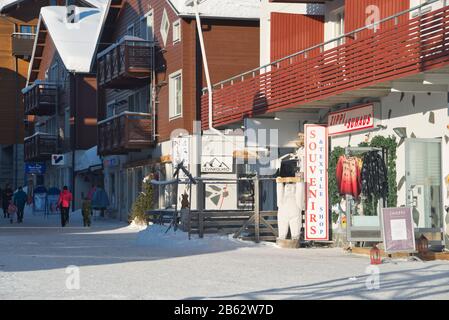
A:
[88,160]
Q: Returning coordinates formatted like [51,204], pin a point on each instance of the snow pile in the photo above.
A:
[244,9]
[5,3]
[157,236]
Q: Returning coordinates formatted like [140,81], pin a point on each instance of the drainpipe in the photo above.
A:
[206,69]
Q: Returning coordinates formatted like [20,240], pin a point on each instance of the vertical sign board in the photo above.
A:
[316,154]
[398,230]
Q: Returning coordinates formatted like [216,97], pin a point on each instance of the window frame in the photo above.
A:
[177,36]
[173,95]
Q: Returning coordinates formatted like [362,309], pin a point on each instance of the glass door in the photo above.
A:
[423,182]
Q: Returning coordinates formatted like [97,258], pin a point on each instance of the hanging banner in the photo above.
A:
[316,154]
[180,151]
[398,230]
[350,120]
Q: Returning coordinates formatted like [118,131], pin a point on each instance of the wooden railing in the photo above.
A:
[40,99]
[126,64]
[124,133]
[402,48]
[40,146]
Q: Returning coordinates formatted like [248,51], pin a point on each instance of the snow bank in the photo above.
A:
[157,235]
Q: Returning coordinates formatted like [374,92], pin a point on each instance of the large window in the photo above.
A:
[140,101]
[175,94]
[147,27]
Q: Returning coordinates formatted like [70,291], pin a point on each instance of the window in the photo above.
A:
[53,74]
[27,31]
[177,31]
[110,109]
[339,27]
[165,27]
[175,91]
[146,27]
[67,123]
[140,101]
[130,30]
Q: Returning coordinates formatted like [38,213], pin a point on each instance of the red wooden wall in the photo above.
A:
[356,15]
[291,33]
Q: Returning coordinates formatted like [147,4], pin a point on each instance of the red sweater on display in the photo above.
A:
[348,176]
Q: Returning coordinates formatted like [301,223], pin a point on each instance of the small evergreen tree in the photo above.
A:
[143,203]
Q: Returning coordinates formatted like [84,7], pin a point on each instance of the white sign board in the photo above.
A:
[57,159]
[316,159]
[398,230]
[351,120]
[180,151]
[217,164]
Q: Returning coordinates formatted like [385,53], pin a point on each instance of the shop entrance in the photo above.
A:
[423,182]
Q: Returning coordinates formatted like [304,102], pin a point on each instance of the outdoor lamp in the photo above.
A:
[375,256]
[401,132]
[422,245]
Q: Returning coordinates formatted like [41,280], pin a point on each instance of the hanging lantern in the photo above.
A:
[422,245]
[375,256]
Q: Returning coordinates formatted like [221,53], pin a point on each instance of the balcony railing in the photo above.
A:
[126,132]
[22,44]
[126,64]
[40,99]
[402,47]
[40,146]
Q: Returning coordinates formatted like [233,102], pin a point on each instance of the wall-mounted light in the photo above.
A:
[401,132]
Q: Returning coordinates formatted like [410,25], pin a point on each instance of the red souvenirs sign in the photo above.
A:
[316,165]
[350,120]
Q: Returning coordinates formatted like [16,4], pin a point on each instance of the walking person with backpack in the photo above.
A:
[20,199]
[65,198]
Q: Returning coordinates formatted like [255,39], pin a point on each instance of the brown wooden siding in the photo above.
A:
[11,118]
[291,33]
[232,47]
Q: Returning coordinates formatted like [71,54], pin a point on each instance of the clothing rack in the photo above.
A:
[373,234]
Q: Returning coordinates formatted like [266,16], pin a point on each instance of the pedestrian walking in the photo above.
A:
[65,198]
[100,200]
[12,211]
[20,200]
[6,199]
[86,210]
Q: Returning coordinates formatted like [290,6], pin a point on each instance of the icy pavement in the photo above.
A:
[120,262]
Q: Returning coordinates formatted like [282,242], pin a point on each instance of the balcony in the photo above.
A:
[126,64]
[40,147]
[40,99]
[404,55]
[126,132]
[22,45]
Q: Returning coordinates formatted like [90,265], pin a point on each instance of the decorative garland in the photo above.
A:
[390,144]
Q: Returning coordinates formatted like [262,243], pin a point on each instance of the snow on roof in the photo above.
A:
[237,9]
[95,3]
[76,42]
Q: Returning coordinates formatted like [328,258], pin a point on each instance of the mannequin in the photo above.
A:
[291,202]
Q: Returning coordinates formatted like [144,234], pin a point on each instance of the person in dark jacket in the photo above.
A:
[6,199]
[100,200]
[20,199]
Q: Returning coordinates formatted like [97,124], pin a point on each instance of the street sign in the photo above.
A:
[57,159]
[38,168]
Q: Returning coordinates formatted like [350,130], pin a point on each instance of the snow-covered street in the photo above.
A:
[120,262]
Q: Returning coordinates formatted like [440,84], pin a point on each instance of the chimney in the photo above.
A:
[70,5]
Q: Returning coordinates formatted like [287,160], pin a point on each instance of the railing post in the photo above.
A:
[200,201]
[257,208]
